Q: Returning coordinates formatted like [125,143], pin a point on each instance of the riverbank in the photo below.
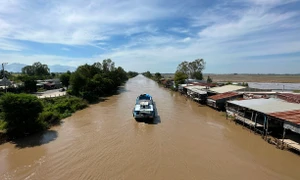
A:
[272,128]
[54,110]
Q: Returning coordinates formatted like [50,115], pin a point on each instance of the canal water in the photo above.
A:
[186,141]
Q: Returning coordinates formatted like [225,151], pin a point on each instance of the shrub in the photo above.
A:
[2,125]
[50,118]
[64,106]
[21,112]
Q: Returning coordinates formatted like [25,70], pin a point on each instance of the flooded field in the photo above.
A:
[186,141]
[276,78]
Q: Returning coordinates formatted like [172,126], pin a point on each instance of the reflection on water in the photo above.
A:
[35,140]
[186,141]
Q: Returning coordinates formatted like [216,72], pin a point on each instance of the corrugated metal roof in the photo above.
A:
[226,88]
[183,85]
[293,98]
[203,84]
[291,116]
[223,96]
[197,89]
[267,106]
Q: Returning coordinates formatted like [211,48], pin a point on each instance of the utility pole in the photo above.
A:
[4,76]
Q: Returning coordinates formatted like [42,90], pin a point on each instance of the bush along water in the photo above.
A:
[20,112]
[24,114]
[58,108]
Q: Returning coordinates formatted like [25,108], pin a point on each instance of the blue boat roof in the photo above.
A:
[147,96]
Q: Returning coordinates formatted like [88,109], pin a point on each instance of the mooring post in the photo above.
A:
[251,120]
[283,136]
[255,121]
[267,127]
[244,118]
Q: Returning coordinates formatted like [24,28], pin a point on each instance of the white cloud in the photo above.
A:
[179,30]
[250,22]
[10,46]
[65,49]
[75,22]
[221,34]
[269,2]
[187,39]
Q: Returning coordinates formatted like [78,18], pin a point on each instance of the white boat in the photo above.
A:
[144,107]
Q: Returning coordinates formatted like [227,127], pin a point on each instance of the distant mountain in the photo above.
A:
[14,67]
[17,67]
[61,68]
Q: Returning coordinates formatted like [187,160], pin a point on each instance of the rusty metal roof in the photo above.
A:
[291,116]
[293,98]
[223,96]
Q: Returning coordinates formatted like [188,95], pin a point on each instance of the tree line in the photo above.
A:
[184,71]
[22,113]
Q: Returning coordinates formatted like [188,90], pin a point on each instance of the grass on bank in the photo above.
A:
[296,91]
[2,125]
[59,108]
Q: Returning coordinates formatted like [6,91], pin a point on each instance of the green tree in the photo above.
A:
[195,69]
[77,82]
[6,74]
[21,112]
[53,75]
[179,78]
[157,76]
[131,74]
[29,83]
[36,69]
[93,81]
[192,69]
[108,65]
[184,68]
[147,74]
[209,79]
[28,70]
[65,79]
[197,75]
[41,69]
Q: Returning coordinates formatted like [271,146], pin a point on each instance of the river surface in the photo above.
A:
[186,141]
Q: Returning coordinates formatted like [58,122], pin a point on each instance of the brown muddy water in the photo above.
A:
[186,141]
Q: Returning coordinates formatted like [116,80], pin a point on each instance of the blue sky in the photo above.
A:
[243,36]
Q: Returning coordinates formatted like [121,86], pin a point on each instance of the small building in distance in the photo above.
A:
[49,84]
